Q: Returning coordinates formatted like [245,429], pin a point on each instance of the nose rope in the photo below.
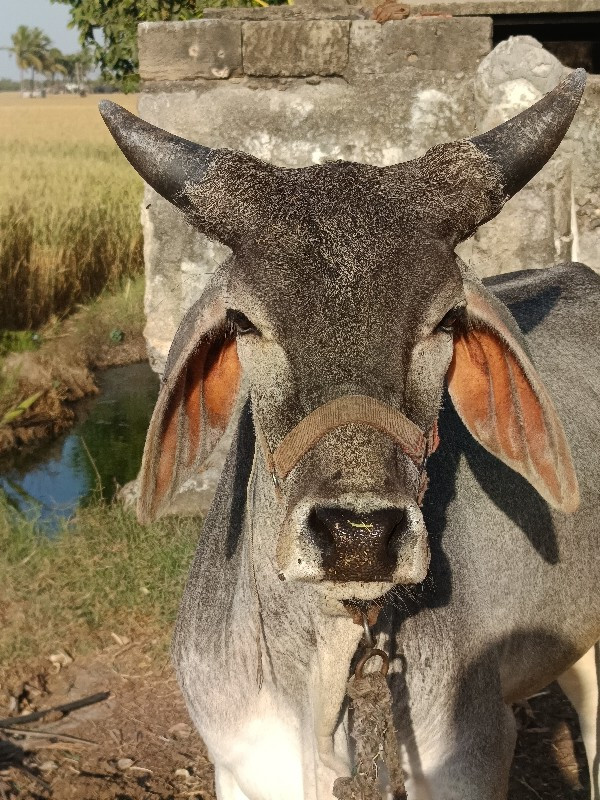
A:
[373,731]
[349,410]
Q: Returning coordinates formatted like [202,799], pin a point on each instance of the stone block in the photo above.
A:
[585,134]
[294,48]
[178,262]
[515,74]
[471,8]
[181,51]
[323,5]
[317,10]
[453,45]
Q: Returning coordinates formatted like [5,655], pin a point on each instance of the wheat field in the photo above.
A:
[69,207]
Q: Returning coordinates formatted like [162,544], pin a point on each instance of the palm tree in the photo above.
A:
[29,47]
[21,41]
[77,67]
[54,62]
[39,44]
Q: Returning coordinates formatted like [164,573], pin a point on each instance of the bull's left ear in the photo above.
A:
[198,395]
[501,399]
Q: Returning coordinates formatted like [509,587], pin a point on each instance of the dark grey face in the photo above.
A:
[344,281]
[350,298]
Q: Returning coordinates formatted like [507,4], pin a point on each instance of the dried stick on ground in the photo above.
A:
[64,709]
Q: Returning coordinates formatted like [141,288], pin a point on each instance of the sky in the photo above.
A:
[52,18]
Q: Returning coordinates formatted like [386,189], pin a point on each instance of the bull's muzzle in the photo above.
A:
[354,540]
[357,547]
[361,535]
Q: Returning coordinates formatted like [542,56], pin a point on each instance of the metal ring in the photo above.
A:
[367,656]
[367,632]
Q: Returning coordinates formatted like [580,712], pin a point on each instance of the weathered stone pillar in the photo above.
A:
[294,86]
[542,224]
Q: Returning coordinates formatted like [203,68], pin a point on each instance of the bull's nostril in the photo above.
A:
[357,546]
[321,534]
[398,531]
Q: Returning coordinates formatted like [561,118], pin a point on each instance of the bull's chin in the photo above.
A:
[347,598]
[339,596]
[360,591]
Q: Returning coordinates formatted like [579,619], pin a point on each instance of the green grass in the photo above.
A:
[58,362]
[89,329]
[18,342]
[101,572]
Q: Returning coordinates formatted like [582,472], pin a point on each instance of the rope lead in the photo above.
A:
[378,772]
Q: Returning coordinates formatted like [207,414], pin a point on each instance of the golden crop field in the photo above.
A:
[69,207]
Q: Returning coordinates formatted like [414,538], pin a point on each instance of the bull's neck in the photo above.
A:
[261,636]
[306,651]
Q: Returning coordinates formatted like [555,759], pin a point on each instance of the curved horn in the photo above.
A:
[521,146]
[210,186]
[166,162]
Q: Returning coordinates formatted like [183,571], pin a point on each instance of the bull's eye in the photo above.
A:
[451,320]
[239,323]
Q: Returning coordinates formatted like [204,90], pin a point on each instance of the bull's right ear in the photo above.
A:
[503,402]
[194,406]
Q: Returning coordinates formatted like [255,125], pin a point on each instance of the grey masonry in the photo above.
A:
[297,85]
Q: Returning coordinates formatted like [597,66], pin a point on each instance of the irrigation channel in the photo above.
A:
[100,453]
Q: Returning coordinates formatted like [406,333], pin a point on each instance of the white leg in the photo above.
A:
[580,684]
[226,785]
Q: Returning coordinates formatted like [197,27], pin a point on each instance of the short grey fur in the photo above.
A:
[345,274]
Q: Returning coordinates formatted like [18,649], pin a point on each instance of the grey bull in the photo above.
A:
[351,335]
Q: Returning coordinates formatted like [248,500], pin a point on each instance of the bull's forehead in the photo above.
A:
[346,301]
[344,223]
[411,199]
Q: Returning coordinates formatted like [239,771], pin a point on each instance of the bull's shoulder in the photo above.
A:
[570,281]
[554,296]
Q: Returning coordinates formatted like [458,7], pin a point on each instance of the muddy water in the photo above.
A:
[101,452]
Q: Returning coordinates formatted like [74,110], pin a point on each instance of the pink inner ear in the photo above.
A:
[221,383]
[199,406]
[169,440]
[509,416]
[193,402]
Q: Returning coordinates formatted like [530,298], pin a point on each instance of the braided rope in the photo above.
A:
[376,742]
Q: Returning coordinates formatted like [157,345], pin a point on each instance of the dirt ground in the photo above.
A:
[140,744]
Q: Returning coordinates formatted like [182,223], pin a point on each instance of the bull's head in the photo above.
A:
[344,286]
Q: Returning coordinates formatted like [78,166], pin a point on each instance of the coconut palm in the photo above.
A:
[29,47]
[54,63]
[39,44]
[77,66]
[21,46]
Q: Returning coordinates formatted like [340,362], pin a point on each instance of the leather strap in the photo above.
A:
[347,410]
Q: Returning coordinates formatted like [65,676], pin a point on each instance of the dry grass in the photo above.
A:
[69,207]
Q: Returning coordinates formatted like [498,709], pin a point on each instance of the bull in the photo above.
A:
[354,340]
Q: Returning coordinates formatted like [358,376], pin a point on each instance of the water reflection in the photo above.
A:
[102,451]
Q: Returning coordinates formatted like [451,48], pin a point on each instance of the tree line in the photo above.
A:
[115,51]
[35,54]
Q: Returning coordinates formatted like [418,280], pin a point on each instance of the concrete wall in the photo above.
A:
[298,85]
